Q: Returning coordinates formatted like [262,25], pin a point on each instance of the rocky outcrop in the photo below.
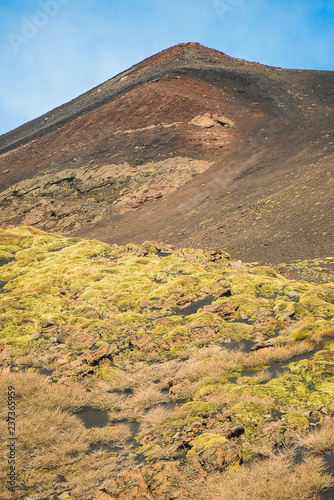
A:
[218,457]
[226,311]
[163,176]
[161,481]
[72,198]
[209,120]
[93,358]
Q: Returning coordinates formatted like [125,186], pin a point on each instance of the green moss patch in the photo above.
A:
[109,327]
[205,441]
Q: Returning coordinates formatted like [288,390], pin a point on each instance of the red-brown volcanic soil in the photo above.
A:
[189,147]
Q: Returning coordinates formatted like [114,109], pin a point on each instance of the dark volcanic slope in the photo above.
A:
[190,147]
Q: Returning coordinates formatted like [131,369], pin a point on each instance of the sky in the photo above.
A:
[51,51]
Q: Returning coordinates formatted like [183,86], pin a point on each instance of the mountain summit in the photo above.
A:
[190,147]
[133,368]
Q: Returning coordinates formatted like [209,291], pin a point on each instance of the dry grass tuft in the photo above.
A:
[277,354]
[321,440]
[132,407]
[155,420]
[274,479]
[146,397]
[117,434]
[320,337]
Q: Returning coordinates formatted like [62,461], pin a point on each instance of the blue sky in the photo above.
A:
[54,50]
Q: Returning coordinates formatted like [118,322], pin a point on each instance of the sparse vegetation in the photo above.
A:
[213,394]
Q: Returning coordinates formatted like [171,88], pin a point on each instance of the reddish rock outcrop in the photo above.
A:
[161,481]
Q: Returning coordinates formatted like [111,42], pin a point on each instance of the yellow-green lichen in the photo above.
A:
[256,285]
[205,441]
